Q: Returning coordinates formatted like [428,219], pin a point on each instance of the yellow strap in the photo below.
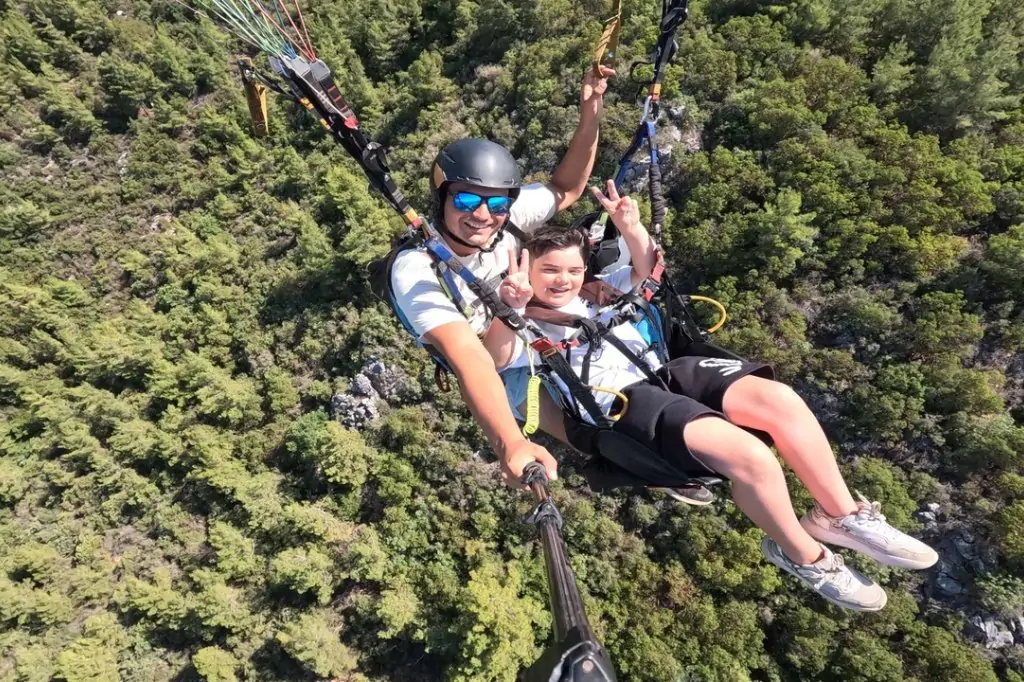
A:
[256,98]
[721,311]
[609,41]
[532,406]
[410,217]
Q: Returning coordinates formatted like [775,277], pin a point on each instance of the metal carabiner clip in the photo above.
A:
[651,110]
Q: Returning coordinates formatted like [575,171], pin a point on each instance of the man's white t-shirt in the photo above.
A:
[608,367]
[418,293]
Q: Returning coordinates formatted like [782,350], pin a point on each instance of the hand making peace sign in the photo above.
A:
[623,211]
[515,289]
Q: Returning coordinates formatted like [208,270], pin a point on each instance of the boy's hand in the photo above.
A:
[515,289]
[623,211]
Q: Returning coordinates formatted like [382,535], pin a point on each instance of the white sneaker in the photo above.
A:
[867,531]
[830,577]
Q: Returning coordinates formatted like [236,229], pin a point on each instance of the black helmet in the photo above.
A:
[476,162]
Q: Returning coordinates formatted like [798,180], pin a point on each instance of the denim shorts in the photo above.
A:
[515,381]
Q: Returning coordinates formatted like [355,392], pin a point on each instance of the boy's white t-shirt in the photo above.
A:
[608,367]
[418,293]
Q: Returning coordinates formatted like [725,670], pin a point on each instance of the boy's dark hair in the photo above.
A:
[551,237]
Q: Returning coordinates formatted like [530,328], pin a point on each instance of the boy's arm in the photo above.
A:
[502,343]
[642,250]
[515,291]
[625,213]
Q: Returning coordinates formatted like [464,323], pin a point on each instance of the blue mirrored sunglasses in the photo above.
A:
[467,202]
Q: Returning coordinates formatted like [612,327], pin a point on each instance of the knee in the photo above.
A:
[754,463]
[731,451]
[775,397]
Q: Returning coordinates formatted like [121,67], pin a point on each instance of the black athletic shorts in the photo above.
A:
[656,417]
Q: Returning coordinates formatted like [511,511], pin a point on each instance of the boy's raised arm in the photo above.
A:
[625,213]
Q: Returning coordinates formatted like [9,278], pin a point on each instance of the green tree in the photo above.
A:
[215,665]
[312,640]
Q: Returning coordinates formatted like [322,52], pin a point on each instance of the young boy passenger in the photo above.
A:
[701,419]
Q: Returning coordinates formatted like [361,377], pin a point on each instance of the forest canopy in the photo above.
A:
[184,314]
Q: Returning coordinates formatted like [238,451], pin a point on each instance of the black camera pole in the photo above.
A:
[575,655]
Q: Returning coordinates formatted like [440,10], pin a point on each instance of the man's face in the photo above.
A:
[557,276]
[474,214]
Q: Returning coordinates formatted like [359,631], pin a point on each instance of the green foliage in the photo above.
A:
[235,553]
[865,659]
[496,625]
[13,483]
[179,302]
[93,657]
[304,570]
[215,665]
[937,655]
[1004,263]
[334,453]
[1002,594]
[1010,531]
[313,641]
[879,480]
[987,444]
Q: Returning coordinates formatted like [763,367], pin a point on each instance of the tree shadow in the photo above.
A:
[311,289]
[274,660]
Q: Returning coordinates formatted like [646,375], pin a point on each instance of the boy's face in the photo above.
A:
[557,276]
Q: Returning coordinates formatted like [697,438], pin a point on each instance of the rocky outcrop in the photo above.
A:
[376,382]
[989,631]
[673,131]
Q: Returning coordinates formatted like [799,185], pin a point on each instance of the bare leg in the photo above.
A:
[776,408]
[551,418]
[758,484]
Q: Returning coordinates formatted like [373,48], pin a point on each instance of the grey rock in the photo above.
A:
[362,386]
[675,113]
[389,382]
[989,631]
[353,411]
[692,141]
[978,566]
[636,178]
[964,547]
[673,133]
[948,585]
[1017,628]
[933,507]
[926,516]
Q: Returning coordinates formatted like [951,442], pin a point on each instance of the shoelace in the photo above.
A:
[870,516]
[831,570]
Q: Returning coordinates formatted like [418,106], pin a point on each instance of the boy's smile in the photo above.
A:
[557,276]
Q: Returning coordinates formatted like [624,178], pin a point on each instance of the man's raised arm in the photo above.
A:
[569,180]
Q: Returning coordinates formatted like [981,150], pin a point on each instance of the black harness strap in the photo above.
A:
[637,361]
[580,392]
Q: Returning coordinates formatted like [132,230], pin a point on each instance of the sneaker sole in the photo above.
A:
[830,537]
[686,500]
[832,600]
